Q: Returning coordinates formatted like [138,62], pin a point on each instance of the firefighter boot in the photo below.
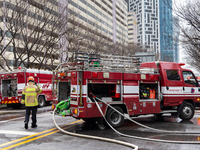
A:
[33,125]
[26,125]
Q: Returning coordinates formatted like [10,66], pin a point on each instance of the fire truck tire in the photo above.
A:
[187,111]
[114,118]
[41,101]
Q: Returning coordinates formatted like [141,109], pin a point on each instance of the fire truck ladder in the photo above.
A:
[101,62]
[109,63]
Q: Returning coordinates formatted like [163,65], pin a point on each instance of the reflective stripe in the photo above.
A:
[31,104]
[31,94]
[23,92]
[30,89]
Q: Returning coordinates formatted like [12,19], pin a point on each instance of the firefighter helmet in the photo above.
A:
[30,79]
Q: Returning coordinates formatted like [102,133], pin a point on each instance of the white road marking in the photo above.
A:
[16,132]
[38,115]
[11,111]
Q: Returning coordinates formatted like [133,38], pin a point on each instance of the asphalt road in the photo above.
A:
[47,137]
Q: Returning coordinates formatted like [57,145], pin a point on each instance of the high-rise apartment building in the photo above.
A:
[109,17]
[148,29]
[132,28]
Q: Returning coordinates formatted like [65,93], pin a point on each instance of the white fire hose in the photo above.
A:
[142,138]
[135,147]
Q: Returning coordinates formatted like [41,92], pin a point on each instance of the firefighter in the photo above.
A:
[29,98]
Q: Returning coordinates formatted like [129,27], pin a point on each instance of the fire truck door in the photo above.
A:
[173,87]
[191,87]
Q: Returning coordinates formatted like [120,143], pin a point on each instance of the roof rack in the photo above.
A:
[101,62]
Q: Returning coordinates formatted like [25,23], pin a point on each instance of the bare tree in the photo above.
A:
[33,32]
[190,34]
[189,27]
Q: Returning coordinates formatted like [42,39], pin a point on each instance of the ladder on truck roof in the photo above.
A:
[103,62]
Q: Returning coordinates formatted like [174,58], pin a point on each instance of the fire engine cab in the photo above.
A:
[12,84]
[128,86]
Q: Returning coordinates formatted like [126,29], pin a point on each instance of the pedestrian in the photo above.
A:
[29,98]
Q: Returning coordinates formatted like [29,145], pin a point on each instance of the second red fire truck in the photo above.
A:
[131,88]
[12,84]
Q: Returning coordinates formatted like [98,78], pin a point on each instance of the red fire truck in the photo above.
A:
[130,87]
[12,84]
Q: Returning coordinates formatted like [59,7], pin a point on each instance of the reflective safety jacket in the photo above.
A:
[29,95]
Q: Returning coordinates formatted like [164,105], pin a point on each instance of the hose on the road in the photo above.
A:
[142,138]
[135,147]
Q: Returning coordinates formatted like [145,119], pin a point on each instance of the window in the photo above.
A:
[189,78]
[173,75]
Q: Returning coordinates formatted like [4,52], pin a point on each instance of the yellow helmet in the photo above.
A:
[30,79]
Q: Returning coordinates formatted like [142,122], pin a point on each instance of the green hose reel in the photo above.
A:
[62,106]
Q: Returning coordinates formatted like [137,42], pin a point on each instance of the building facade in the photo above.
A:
[148,29]
[108,17]
[132,28]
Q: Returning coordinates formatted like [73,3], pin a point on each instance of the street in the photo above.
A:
[46,136]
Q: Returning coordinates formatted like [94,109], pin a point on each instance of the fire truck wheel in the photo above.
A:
[114,118]
[187,111]
[41,101]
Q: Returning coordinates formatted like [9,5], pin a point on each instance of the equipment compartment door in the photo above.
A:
[9,88]
[64,90]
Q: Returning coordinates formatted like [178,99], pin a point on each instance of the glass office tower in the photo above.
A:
[167,52]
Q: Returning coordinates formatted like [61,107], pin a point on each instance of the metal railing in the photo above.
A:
[102,62]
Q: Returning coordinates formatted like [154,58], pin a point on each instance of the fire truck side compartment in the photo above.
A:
[9,87]
[64,90]
[146,87]
[105,91]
